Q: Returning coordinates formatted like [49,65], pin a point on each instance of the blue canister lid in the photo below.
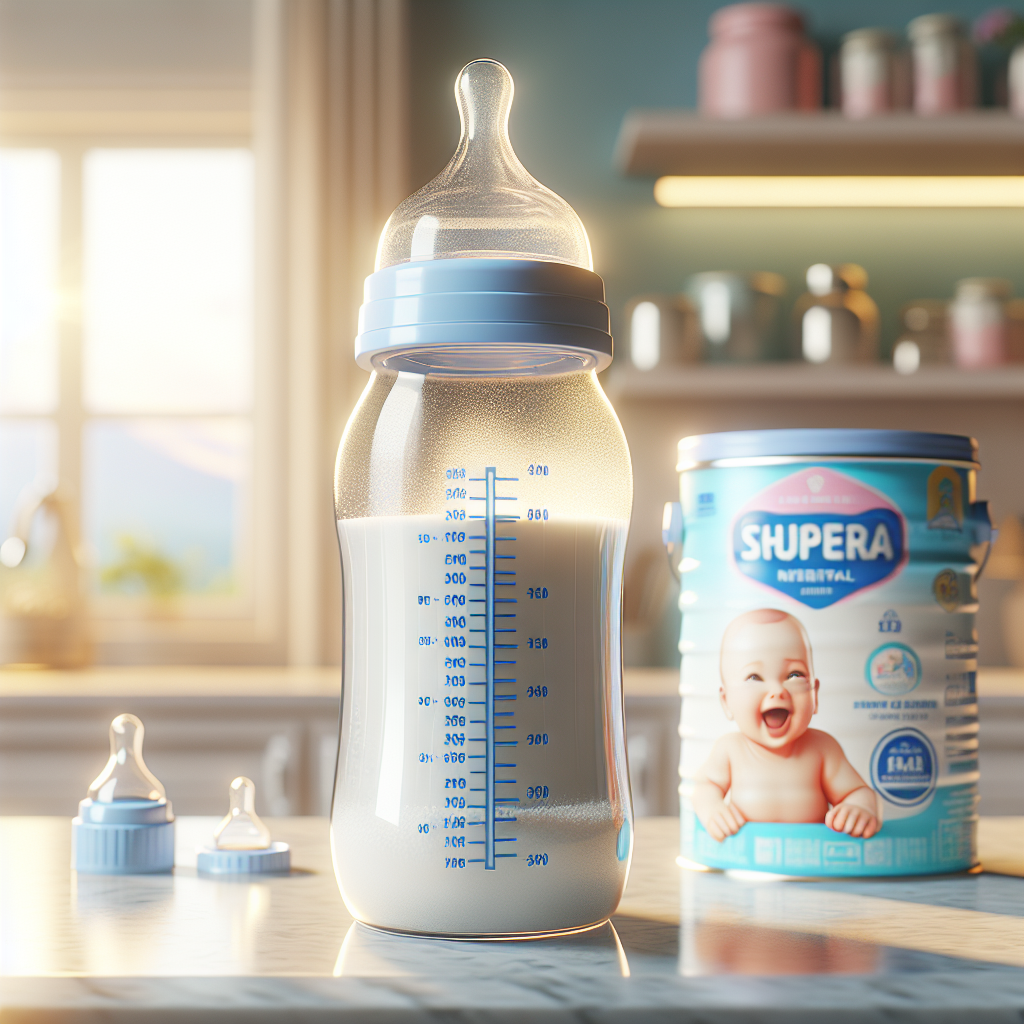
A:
[756,444]
[514,313]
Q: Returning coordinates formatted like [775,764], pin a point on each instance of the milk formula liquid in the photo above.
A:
[409,828]
[830,718]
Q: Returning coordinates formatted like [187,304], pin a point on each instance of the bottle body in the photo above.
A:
[482,786]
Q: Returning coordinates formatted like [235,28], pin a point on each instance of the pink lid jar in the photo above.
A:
[945,69]
[977,320]
[758,62]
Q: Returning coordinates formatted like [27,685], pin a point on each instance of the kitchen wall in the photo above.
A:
[579,66]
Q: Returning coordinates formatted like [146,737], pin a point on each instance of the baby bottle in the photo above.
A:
[483,493]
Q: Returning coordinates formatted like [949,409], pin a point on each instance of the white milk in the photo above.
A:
[406,849]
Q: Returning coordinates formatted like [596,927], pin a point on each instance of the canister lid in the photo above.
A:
[756,444]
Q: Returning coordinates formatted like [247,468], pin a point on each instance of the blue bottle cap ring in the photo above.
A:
[276,859]
[125,837]
[502,313]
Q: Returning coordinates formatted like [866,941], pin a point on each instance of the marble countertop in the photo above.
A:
[684,945]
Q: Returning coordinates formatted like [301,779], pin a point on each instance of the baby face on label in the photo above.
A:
[768,687]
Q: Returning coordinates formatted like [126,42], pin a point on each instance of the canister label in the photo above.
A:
[818,536]
[829,714]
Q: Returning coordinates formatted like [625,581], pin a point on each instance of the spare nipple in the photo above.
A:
[125,776]
[484,204]
[242,828]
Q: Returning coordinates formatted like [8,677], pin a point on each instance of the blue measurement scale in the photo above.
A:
[497,628]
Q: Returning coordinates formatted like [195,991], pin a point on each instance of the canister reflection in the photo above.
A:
[767,926]
[369,953]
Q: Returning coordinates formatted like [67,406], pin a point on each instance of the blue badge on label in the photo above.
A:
[904,767]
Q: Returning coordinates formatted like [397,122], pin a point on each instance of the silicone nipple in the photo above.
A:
[242,828]
[125,776]
[484,203]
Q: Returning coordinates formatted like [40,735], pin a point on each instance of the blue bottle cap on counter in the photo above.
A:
[125,826]
[274,860]
[241,842]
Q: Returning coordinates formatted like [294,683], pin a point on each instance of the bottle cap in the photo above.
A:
[241,842]
[125,826]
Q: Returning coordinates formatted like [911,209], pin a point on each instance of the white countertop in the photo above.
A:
[683,945]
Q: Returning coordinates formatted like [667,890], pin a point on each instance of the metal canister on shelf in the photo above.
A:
[759,61]
[978,322]
[835,320]
[945,67]
[1015,81]
[662,331]
[874,73]
[738,315]
[924,337]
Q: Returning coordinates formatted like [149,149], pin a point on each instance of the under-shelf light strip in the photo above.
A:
[862,191]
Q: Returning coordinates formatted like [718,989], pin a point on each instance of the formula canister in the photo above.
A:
[829,590]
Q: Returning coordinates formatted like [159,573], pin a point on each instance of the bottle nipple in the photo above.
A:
[242,828]
[484,204]
[125,775]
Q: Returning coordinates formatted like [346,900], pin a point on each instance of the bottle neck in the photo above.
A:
[488,361]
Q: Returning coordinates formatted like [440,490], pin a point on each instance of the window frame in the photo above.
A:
[247,628]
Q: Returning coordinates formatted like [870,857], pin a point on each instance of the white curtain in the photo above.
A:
[331,134]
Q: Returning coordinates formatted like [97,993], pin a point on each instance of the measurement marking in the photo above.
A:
[493,582]
[490,473]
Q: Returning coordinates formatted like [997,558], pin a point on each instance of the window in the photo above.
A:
[29,392]
[167,361]
[126,369]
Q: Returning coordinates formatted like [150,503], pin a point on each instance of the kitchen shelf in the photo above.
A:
[979,142]
[799,380]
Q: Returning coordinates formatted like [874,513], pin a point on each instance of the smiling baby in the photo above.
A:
[776,768]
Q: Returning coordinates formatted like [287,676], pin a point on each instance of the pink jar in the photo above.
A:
[945,69]
[874,74]
[977,321]
[758,62]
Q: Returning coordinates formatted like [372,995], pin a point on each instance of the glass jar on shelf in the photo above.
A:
[663,331]
[835,320]
[978,322]
[924,335]
[738,315]
[874,73]
[945,65]
[759,61]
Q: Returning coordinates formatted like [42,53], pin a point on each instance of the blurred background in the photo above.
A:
[190,197]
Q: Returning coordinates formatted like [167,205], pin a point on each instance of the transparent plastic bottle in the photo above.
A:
[483,493]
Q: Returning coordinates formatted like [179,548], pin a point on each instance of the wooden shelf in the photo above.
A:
[658,142]
[792,380]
